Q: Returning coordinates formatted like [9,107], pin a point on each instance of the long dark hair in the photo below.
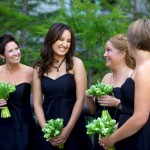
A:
[4,39]
[47,59]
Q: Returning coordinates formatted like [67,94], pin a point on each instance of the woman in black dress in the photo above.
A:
[121,65]
[60,78]
[18,131]
[134,122]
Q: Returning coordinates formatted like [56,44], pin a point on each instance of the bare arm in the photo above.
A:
[37,99]
[81,85]
[141,109]
[90,103]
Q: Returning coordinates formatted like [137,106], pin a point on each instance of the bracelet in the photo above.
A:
[119,106]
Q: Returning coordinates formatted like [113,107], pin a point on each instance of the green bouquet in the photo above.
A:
[103,126]
[5,90]
[100,89]
[53,128]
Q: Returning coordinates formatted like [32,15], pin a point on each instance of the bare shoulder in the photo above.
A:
[77,61]
[143,72]
[107,78]
[26,69]
[77,64]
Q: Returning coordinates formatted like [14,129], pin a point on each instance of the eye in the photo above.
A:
[108,50]
[69,41]
[17,48]
[61,39]
[9,51]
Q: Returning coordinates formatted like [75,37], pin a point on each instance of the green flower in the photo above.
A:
[5,90]
[100,89]
[53,128]
[103,126]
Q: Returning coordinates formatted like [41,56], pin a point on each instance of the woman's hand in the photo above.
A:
[108,101]
[89,96]
[105,143]
[61,139]
[2,103]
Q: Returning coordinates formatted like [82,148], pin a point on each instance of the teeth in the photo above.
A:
[16,58]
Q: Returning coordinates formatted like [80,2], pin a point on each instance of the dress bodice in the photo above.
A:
[21,96]
[18,132]
[19,105]
[62,86]
[127,91]
[59,96]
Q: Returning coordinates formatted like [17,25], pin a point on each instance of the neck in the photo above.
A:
[13,71]
[58,59]
[59,64]
[12,68]
[120,70]
[141,56]
[120,75]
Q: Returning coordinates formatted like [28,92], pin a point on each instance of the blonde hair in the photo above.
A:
[139,34]
[120,42]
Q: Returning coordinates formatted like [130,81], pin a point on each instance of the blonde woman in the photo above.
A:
[134,122]
[121,66]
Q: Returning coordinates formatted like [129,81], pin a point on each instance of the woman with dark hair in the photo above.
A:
[60,78]
[18,131]
[134,123]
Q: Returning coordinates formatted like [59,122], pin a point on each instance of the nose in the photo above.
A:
[65,43]
[105,54]
[15,52]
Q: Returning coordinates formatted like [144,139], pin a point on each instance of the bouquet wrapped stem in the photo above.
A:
[5,90]
[53,128]
[5,112]
[103,126]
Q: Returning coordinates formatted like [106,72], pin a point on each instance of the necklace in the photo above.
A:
[59,65]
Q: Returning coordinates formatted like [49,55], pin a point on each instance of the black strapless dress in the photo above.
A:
[114,113]
[18,131]
[141,139]
[59,100]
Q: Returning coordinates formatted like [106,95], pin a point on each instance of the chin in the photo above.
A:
[107,65]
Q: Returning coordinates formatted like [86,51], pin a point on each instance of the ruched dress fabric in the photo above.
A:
[18,132]
[59,100]
[113,111]
[141,139]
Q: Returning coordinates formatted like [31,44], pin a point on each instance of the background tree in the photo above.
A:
[93,21]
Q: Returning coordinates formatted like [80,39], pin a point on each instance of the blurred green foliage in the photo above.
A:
[92,22]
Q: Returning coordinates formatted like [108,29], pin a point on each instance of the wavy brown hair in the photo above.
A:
[47,59]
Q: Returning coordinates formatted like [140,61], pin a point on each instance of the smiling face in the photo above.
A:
[12,53]
[112,55]
[62,45]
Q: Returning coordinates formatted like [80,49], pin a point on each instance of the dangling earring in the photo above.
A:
[3,60]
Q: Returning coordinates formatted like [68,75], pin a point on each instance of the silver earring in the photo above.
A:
[3,60]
